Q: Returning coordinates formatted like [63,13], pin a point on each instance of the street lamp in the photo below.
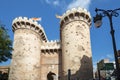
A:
[98,22]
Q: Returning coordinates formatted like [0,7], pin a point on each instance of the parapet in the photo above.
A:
[75,14]
[51,46]
[4,69]
[26,23]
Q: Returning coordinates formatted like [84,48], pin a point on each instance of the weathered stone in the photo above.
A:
[34,57]
[79,26]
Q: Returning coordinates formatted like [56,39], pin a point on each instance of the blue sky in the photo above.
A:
[101,42]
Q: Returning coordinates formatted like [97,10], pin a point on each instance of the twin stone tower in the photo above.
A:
[36,58]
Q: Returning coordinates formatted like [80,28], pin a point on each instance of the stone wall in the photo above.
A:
[75,39]
[28,38]
[4,69]
[34,56]
[4,72]
[50,59]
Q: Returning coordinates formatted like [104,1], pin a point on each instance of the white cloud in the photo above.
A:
[79,3]
[56,2]
[110,56]
[52,2]
[47,1]
[94,66]
[63,5]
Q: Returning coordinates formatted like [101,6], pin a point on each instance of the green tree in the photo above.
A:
[5,45]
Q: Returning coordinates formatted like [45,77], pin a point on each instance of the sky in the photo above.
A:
[101,42]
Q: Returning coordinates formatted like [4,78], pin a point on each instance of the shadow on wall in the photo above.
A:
[85,71]
[60,65]
[3,76]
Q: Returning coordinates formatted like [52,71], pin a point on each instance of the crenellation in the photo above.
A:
[51,45]
[25,23]
[37,56]
[75,15]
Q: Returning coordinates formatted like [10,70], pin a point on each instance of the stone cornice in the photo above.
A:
[75,14]
[25,23]
[51,46]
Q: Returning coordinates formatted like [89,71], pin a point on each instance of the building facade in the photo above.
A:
[105,70]
[35,57]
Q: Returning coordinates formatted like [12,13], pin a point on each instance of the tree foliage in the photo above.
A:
[5,45]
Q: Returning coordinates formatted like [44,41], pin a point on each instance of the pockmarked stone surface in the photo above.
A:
[75,40]
[34,56]
[26,56]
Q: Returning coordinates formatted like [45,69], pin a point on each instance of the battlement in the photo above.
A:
[25,23]
[75,14]
[51,46]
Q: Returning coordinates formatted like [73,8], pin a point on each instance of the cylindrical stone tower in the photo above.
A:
[75,43]
[28,36]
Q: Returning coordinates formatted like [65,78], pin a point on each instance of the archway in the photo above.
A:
[51,76]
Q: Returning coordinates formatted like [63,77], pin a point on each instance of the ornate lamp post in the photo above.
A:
[98,23]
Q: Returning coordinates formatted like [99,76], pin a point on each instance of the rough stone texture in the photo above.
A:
[34,56]
[26,56]
[76,50]
[49,62]
[50,59]
[4,69]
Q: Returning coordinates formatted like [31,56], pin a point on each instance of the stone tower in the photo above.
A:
[34,57]
[75,44]
[28,38]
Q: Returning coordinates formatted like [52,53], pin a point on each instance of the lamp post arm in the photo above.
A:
[99,10]
[108,12]
[116,9]
[104,12]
